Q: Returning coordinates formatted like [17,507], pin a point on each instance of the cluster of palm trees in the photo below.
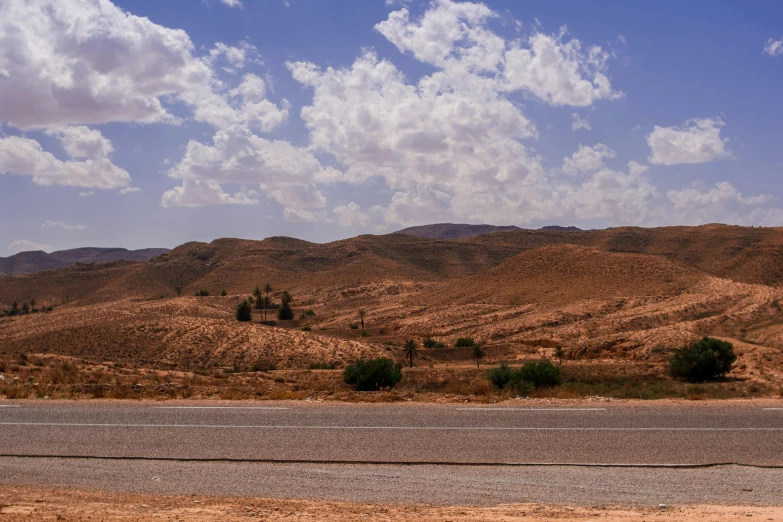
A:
[411,350]
[262,298]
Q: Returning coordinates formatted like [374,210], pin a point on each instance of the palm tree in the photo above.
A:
[257,294]
[478,354]
[267,289]
[410,350]
[362,313]
[559,352]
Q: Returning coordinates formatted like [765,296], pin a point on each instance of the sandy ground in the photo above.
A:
[27,503]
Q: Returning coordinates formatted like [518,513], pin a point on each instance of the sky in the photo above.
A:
[141,123]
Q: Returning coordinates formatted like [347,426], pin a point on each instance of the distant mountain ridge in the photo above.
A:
[453,230]
[36,261]
[460,230]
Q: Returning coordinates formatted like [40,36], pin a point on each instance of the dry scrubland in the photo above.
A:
[24,503]
[619,301]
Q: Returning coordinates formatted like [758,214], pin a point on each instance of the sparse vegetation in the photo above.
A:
[306,329]
[244,311]
[703,360]
[285,313]
[202,293]
[373,375]
[223,293]
[464,342]
[478,354]
[362,314]
[429,342]
[411,350]
[535,374]
[559,353]
[354,327]
[322,366]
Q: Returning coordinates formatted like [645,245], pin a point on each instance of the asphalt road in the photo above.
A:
[613,433]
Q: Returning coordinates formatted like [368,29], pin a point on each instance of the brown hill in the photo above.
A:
[453,230]
[749,255]
[567,273]
[31,262]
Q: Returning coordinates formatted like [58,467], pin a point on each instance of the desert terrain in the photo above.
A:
[618,301]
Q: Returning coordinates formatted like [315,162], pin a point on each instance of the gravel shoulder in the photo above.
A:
[21,503]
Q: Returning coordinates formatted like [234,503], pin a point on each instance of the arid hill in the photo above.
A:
[742,254]
[453,230]
[31,262]
[627,293]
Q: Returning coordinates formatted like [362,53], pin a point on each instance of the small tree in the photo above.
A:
[259,297]
[284,313]
[14,309]
[244,311]
[703,360]
[373,375]
[223,293]
[25,308]
[267,301]
[541,374]
[362,314]
[478,354]
[559,353]
[465,342]
[411,350]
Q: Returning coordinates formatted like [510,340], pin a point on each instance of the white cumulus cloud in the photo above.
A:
[61,224]
[580,123]
[697,141]
[90,165]
[24,245]
[774,47]
[587,159]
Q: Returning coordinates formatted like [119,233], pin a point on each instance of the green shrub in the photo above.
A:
[703,360]
[223,293]
[202,293]
[244,311]
[429,342]
[309,313]
[365,333]
[263,365]
[465,342]
[354,327]
[501,376]
[306,329]
[284,313]
[372,375]
[541,374]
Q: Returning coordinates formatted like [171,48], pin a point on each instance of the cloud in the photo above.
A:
[351,215]
[233,3]
[697,141]
[23,245]
[774,47]
[587,159]
[453,35]
[61,224]
[283,172]
[559,71]
[25,157]
[236,57]
[86,193]
[722,195]
[75,62]
[580,123]
[130,190]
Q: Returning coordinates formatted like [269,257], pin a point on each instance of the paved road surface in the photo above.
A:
[703,433]
[354,451]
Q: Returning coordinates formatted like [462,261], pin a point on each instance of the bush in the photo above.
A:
[541,374]
[223,293]
[365,333]
[244,311]
[429,342]
[284,313]
[263,365]
[373,375]
[465,342]
[309,313]
[703,360]
[354,327]
[202,293]
[306,329]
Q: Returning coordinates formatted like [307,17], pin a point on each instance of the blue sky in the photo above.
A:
[145,123]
